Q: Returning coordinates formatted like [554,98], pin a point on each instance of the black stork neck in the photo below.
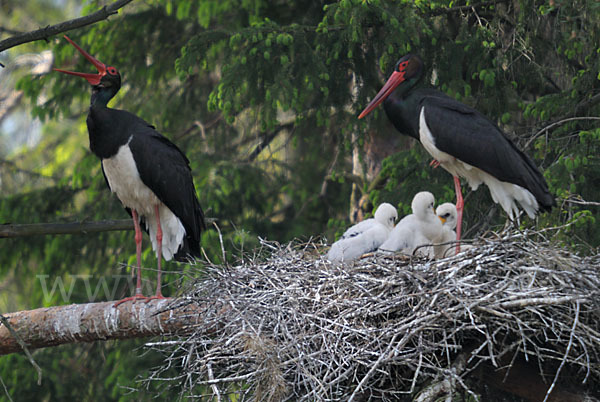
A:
[109,129]
[101,96]
[402,107]
[106,89]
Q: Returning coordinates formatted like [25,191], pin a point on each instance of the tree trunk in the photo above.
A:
[366,162]
[96,321]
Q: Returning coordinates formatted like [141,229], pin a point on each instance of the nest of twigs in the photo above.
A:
[292,326]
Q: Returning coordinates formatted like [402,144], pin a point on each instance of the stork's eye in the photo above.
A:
[402,66]
[112,70]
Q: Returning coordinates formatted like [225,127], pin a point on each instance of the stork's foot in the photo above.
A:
[156,296]
[435,163]
[134,298]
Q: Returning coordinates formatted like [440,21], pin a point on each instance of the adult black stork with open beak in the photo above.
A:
[148,173]
[463,141]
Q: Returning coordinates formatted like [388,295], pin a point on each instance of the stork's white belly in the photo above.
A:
[124,180]
[502,192]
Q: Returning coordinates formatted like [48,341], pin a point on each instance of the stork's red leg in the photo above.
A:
[159,237]
[138,251]
[435,163]
[459,211]
[138,254]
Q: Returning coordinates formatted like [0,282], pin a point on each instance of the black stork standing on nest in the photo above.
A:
[463,141]
[147,172]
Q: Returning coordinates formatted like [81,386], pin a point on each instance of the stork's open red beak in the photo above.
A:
[93,79]
[395,79]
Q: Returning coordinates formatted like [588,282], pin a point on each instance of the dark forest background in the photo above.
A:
[263,97]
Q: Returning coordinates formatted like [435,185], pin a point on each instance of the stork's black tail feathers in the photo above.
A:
[190,249]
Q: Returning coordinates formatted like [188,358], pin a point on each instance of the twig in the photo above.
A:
[556,123]
[562,363]
[14,166]
[221,242]
[10,31]
[211,376]
[581,201]
[23,346]
[538,301]
[375,366]
[267,139]
[65,26]
[5,390]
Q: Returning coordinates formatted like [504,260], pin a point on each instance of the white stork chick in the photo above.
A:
[365,236]
[447,214]
[420,228]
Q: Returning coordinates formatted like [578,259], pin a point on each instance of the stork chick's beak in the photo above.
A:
[442,219]
[395,79]
[93,79]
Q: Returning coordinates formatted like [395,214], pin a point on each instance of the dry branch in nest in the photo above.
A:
[292,326]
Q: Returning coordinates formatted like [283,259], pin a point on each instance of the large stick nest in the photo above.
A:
[289,325]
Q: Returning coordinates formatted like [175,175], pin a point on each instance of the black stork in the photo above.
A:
[463,141]
[148,173]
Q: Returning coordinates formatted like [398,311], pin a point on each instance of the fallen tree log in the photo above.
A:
[90,322]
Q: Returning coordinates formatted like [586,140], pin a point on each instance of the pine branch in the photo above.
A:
[467,7]
[91,322]
[65,26]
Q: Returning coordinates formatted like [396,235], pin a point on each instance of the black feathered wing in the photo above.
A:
[467,135]
[166,171]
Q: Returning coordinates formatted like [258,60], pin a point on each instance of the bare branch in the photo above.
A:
[65,26]
[266,140]
[574,199]
[10,31]
[5,390]
[557,123]
[8,103]
[446,384]
[13,166]
[90,322]
[35,229]
[21,343]
[562,363]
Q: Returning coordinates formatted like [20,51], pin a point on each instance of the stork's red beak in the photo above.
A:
[93,79]
[395,79]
